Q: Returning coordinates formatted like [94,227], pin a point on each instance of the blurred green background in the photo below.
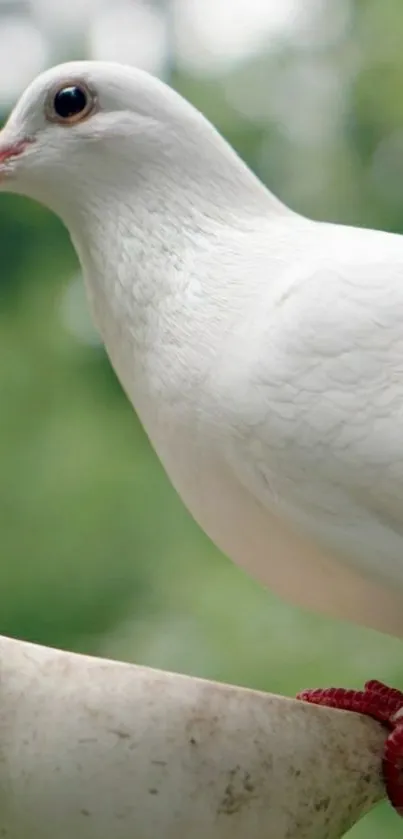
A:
[98,554]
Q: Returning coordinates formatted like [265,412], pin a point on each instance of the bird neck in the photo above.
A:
[148,235]
[151,264]
[162,257]
[149,278]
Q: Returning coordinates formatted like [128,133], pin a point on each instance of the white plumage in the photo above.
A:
[262,351]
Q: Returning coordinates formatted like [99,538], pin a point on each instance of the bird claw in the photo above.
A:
[383,704]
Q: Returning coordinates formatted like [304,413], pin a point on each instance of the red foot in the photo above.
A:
[385,705]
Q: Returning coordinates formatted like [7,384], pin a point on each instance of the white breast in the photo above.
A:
[230,438]
[292,566]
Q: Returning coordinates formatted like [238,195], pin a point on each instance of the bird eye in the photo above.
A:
[70,103]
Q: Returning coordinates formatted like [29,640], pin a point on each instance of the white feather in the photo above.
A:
[262,351]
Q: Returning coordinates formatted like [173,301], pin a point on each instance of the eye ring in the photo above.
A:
[70,102]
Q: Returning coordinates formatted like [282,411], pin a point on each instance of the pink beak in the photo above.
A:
[13,150]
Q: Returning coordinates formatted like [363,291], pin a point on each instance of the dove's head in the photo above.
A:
[92,132]
[86,128]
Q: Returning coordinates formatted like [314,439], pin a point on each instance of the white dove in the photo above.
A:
[262,351]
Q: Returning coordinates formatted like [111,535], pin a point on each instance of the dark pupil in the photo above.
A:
[69,102]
